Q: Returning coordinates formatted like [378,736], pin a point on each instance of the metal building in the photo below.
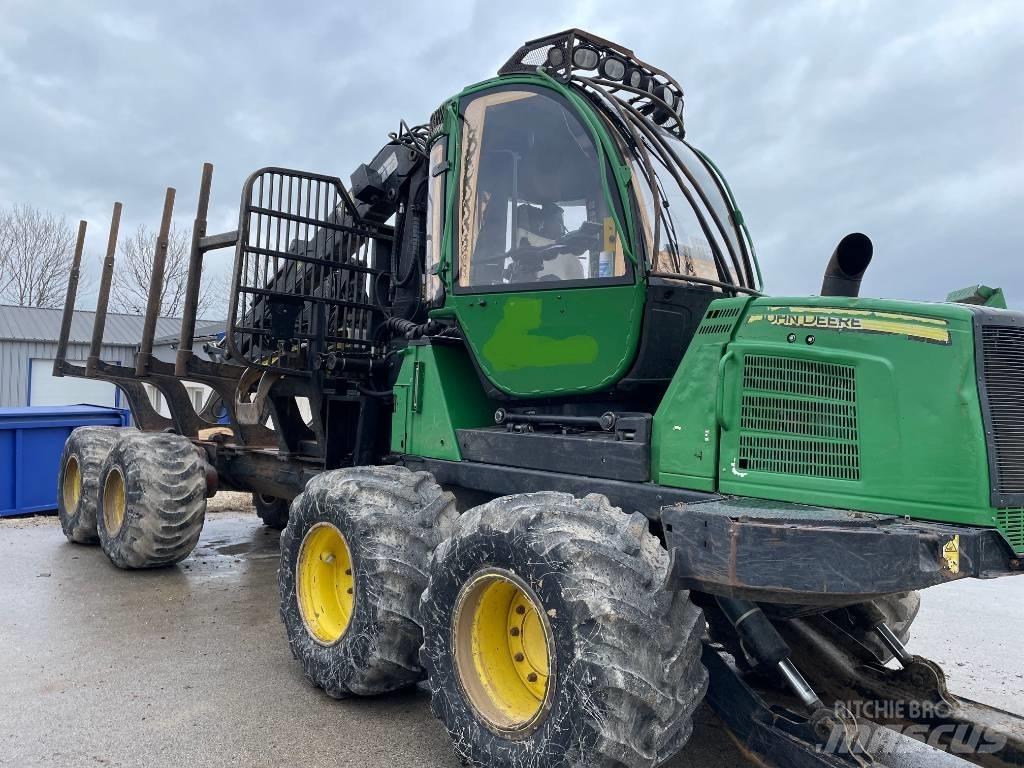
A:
[166,348]
[28,344]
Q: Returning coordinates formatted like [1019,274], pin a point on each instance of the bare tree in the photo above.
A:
[36,252]
[133,269]
[5,255]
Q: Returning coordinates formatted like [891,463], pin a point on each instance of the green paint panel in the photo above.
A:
[540,343]
[685,437]
[873,405]
[437,392]
[979,294]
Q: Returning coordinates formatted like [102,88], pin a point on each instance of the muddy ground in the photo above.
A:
[188,666]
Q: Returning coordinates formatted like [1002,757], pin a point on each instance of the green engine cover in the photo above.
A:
[862,404]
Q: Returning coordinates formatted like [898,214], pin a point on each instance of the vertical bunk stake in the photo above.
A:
[104,295]
[195,271]
[69,302]
[156,287]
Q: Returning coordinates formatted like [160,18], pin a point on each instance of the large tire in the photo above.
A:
[623,671]
[271,510]
[78,481]
[389,520]
[152,500]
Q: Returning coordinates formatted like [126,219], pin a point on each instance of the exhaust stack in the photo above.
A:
[847,266]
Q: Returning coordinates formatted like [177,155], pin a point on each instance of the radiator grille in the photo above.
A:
[795,456]
[719,322]
[714,329]
[803,378]
[799,417]
[1011,524]
[1002,351]
[810,418]
[714,314]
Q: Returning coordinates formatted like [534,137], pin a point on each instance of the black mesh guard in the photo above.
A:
[304,281]
[535,54]
[1000,358]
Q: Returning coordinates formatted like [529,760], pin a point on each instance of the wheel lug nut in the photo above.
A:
[348,571]
[349,590]
[519,657]
[514,631]
[520,610]
[532,677]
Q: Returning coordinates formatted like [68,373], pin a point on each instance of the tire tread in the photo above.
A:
[165,489]
[641,694]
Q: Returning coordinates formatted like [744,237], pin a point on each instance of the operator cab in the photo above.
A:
[587,237]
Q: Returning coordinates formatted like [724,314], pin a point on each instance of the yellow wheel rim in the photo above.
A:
[114,502]
[72,487]
[503,643]
[325,583]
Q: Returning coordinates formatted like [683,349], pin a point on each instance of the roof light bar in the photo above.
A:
[574,52]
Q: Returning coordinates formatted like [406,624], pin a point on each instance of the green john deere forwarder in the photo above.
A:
[536,437]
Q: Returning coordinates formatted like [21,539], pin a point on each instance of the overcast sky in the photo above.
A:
[904,120]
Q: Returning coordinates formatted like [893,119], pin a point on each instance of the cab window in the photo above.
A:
[532,206]
[432,289]
[685,246]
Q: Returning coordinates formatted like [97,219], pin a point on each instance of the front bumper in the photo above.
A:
[789,553]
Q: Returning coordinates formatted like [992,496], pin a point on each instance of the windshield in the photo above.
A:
[532,201]
[692,226]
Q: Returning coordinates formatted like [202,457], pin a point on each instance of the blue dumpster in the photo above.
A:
[31,441]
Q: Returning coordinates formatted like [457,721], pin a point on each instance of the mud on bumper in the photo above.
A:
[788,553]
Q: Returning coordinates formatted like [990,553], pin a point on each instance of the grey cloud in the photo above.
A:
[899,119]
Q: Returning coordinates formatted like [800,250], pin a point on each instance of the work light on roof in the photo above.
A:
[664,93]
[636,78]
[612,68]
[606,70]
[585,57]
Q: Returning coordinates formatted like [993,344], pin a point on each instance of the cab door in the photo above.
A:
[543,281]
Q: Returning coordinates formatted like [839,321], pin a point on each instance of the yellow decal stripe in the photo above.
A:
[861,313]
[892,323]
[908,329]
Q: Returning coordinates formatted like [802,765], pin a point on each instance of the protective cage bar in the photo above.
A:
[306,276]
[648,88]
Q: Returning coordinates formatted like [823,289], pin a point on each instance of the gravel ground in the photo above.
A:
[230,501]
[225,501]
